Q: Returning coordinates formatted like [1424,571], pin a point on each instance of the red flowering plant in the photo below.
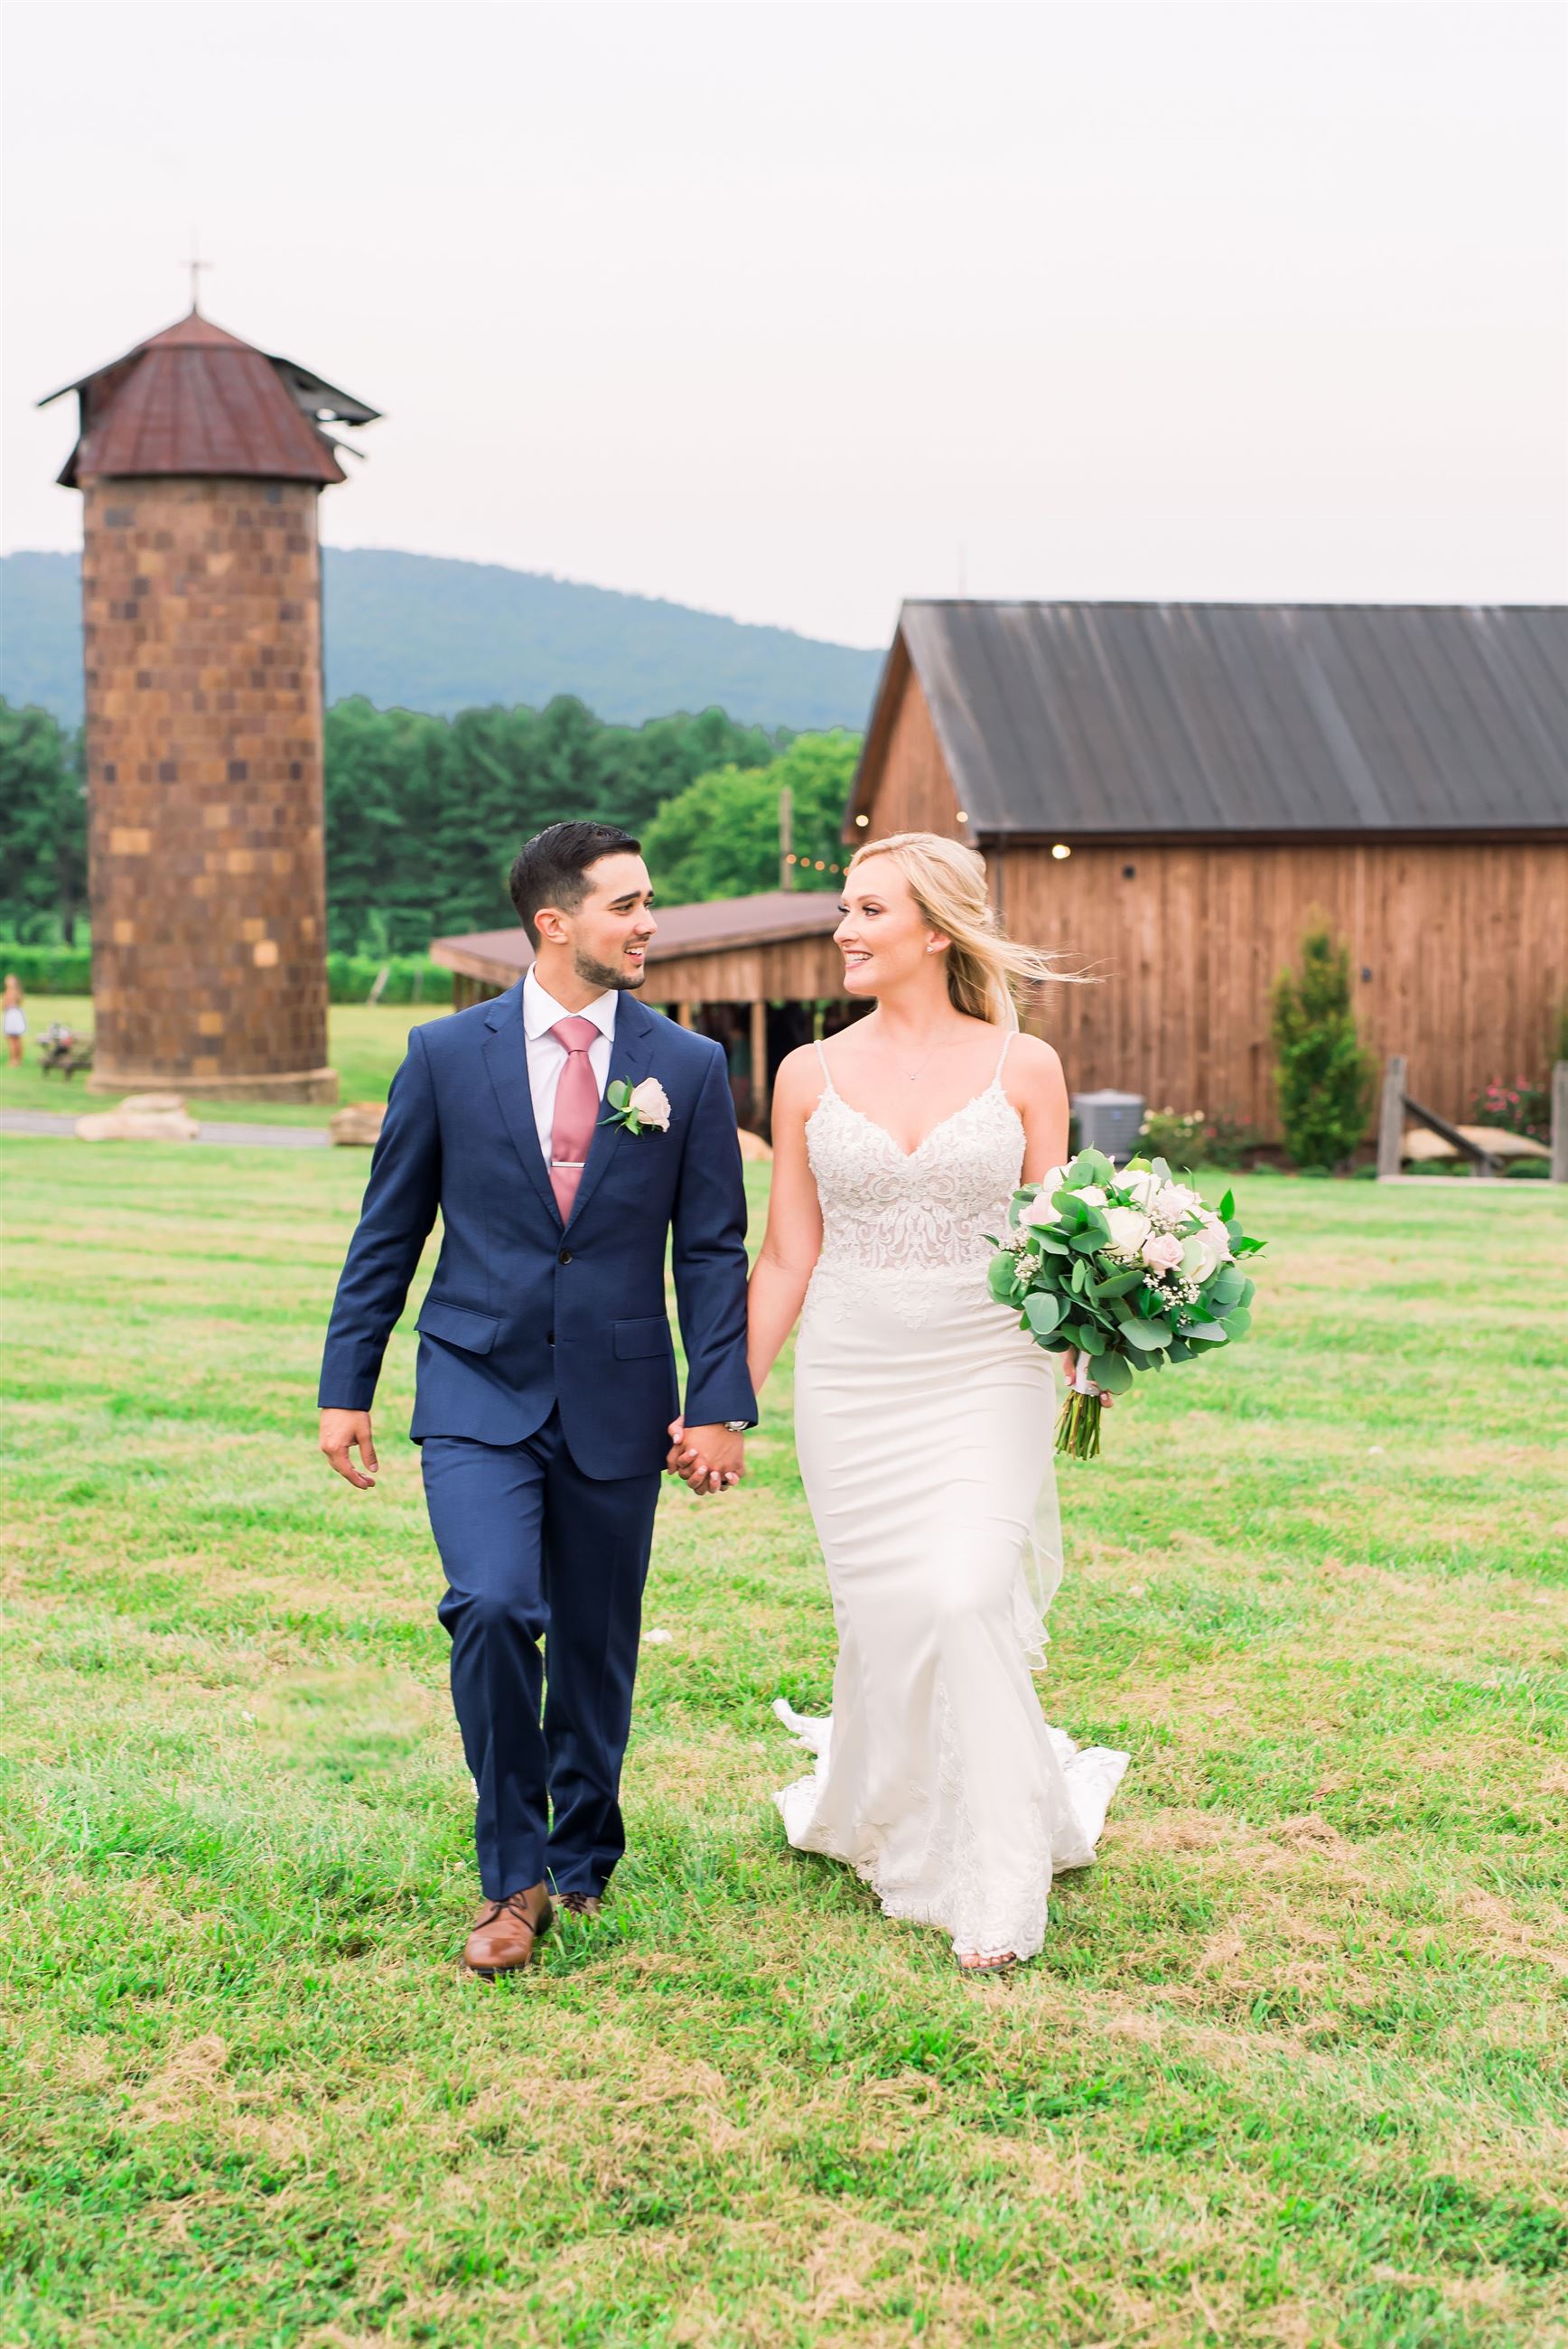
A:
[1518,1108]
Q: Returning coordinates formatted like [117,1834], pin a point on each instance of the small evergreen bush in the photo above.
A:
[1323,1077]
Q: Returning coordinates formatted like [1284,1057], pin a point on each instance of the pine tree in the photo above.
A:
[1323,1077]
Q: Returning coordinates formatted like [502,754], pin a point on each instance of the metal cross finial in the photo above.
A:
[196,266]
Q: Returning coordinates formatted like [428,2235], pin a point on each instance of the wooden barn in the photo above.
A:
[1167,793]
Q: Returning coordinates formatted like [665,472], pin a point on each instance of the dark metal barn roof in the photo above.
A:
[1241,719]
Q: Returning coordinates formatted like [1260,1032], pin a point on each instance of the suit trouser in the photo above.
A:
[536,1553]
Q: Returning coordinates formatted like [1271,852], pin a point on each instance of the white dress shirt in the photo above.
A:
[547,1054]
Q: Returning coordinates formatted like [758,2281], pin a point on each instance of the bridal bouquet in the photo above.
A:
[1133,1269]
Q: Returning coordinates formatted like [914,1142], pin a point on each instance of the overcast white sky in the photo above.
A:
[792,310]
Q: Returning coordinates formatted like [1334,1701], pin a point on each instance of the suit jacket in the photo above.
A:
[524,1313]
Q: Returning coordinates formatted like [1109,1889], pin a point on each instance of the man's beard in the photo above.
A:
[600,975]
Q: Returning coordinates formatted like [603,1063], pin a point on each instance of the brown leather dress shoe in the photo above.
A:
[506,1933]
[579,1904]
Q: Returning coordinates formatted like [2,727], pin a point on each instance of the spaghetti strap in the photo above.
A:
[1003,1061]
[827,1073]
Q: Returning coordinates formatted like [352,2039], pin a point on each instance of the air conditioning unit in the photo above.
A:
[1108,1122]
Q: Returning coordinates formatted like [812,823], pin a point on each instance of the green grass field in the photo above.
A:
[1291,2070]
[366,1041]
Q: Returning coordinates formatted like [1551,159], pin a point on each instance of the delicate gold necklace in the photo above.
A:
[910,1075]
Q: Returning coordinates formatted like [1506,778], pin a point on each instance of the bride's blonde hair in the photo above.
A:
[986,970]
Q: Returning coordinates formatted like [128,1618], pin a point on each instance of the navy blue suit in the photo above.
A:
[546,1382]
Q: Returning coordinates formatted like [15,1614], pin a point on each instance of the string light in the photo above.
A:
[1061,850]
[862,821]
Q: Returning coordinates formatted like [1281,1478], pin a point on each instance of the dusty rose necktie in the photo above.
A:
[576,1110]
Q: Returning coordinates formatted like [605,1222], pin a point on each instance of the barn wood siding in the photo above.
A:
[912,791]
[1467,947]
[792,970]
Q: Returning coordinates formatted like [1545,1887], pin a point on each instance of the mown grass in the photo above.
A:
[366,1041]
[1290,2069]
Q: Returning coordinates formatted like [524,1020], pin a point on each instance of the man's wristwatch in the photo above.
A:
[738,1426]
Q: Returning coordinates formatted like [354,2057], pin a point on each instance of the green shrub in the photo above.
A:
[1324,1078]
[48,970]
[411,978]
[1188,1138]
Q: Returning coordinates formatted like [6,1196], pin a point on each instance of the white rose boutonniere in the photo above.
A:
[635,1106]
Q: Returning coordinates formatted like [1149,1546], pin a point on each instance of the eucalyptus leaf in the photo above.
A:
[1147,1335]
[1112,1372]
[1044,1311]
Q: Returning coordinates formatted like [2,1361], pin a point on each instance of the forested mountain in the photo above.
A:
[424,814]
[416,632]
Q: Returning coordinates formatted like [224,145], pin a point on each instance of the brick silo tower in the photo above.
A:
[199,461]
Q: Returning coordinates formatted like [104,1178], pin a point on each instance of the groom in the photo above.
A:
[546,1380]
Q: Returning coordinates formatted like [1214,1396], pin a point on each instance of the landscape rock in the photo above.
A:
[357,1123]
[141,1117]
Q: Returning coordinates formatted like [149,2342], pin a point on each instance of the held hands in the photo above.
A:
[708,1459]
[342,1431]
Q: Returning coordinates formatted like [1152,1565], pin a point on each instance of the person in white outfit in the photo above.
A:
[13,1017]
[924,1416]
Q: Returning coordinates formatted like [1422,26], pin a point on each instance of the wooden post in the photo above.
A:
[786,837]
[687,1014]
[1560,1122]
[1391,1118]
[760,1067]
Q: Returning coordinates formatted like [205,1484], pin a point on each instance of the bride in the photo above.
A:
[924,1416]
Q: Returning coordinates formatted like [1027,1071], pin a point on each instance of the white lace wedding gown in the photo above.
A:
[924,1420]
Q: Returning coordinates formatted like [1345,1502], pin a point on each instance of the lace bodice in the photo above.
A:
[928,1210]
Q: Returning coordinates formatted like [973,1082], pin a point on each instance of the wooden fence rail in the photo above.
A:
[1396,1105]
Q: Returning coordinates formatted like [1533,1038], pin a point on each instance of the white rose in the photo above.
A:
[1161,1252]
[651,1103]
[1092,1195]
[1039,1209]
[1174,1203]
[1212,1244]
[1129,1229]
[1144,1186]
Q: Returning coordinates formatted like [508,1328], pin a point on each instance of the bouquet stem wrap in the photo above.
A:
[1077,1424]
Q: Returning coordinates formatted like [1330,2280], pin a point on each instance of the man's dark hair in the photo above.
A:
[552,868]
